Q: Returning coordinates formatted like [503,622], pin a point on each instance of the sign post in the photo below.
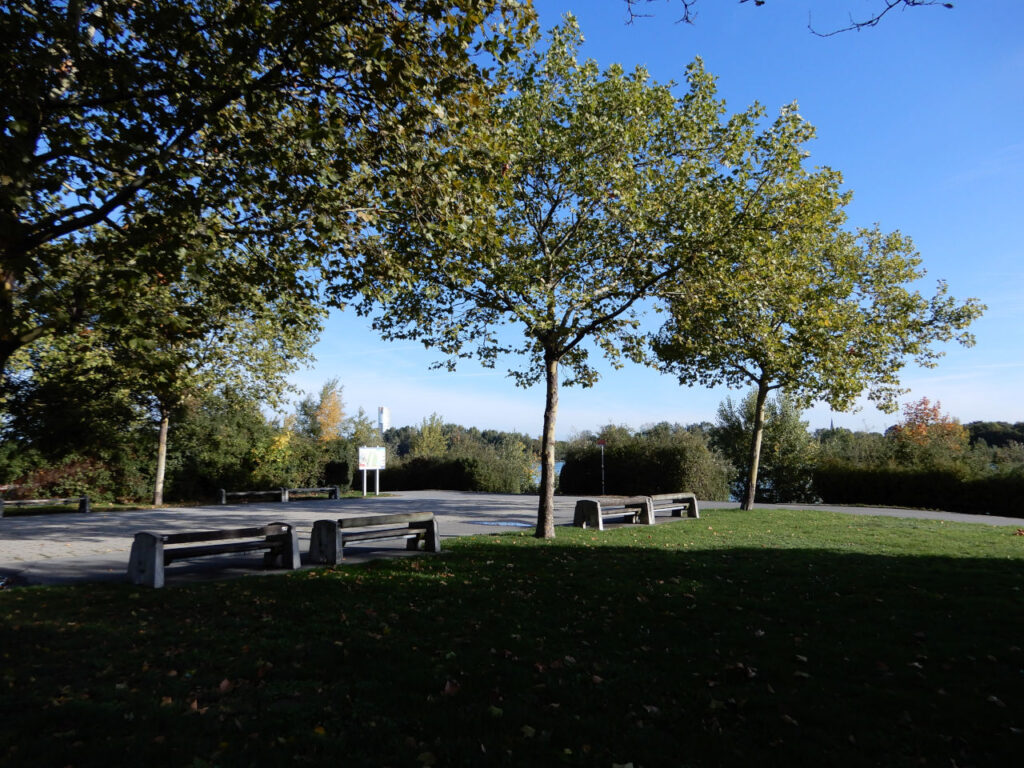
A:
[602,444]
[372,458]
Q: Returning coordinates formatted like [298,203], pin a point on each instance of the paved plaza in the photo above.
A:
[69,548]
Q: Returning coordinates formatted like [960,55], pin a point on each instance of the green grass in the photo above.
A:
[778,638]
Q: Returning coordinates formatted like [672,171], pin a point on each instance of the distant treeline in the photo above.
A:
[67,447]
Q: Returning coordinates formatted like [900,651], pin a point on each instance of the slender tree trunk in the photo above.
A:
[546,505]
[161,460]
[755,446]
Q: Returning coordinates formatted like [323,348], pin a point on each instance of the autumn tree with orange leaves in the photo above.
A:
[928,436]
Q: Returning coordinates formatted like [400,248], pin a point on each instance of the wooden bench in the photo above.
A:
[281,493]
[82,502]
[591,513]
[329,537]
[152,551]
[332,492]
[676,503]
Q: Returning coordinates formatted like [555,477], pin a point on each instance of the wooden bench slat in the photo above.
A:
[150,552]
[372,520]
[186,553]
[327,542]
[221,535]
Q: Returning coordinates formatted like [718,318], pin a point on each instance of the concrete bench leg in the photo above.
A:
[325,543]
[288,556]
[587,514]
[146,562]
[431,537]
[646,515]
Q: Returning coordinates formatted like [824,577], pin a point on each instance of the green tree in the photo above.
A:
[176,341]
[788,452]
[429,441]
[130,131]
[557,205]
[813,310]
[322,418]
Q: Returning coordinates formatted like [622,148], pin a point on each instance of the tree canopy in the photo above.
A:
[816,311]
[548,211]
[133,132]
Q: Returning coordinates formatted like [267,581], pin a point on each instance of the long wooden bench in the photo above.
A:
[591,513]
[281,493]
[332,492]
[675,503]
[329,537]
[152,551]
[82,502]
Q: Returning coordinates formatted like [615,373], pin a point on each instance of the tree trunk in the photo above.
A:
[161,460]
[546,505]
[755,446]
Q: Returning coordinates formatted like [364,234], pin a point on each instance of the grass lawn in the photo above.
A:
[772,638]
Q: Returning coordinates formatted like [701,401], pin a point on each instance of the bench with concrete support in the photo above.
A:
[82,502]
[280,493]
[675,503]
[592,513]
[329,537]
[332,492]
[151,552]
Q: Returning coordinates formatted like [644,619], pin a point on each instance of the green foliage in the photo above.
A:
[954,488]
[143,140]
[996,433]
[547,209]
[660,459]
[458,458]
[212,446]
[857,448]
[923,461]
[429,441]
[788,453]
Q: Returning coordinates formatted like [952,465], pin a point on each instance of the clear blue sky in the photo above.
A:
[923,115]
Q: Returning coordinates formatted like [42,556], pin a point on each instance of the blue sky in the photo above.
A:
[923,115]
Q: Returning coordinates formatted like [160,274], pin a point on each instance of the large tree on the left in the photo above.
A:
[139,138]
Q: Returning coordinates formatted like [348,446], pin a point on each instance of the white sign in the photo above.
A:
[372,458]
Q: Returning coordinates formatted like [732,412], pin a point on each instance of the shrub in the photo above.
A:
[641,465]
[953,488]
[75,476]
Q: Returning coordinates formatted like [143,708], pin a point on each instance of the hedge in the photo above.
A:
[952,490]
[638,468]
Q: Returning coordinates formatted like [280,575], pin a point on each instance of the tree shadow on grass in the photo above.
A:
[505,652]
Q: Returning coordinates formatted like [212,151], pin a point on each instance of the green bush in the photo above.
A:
[953,488]
[76,476]
[642,465]
[432,472]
